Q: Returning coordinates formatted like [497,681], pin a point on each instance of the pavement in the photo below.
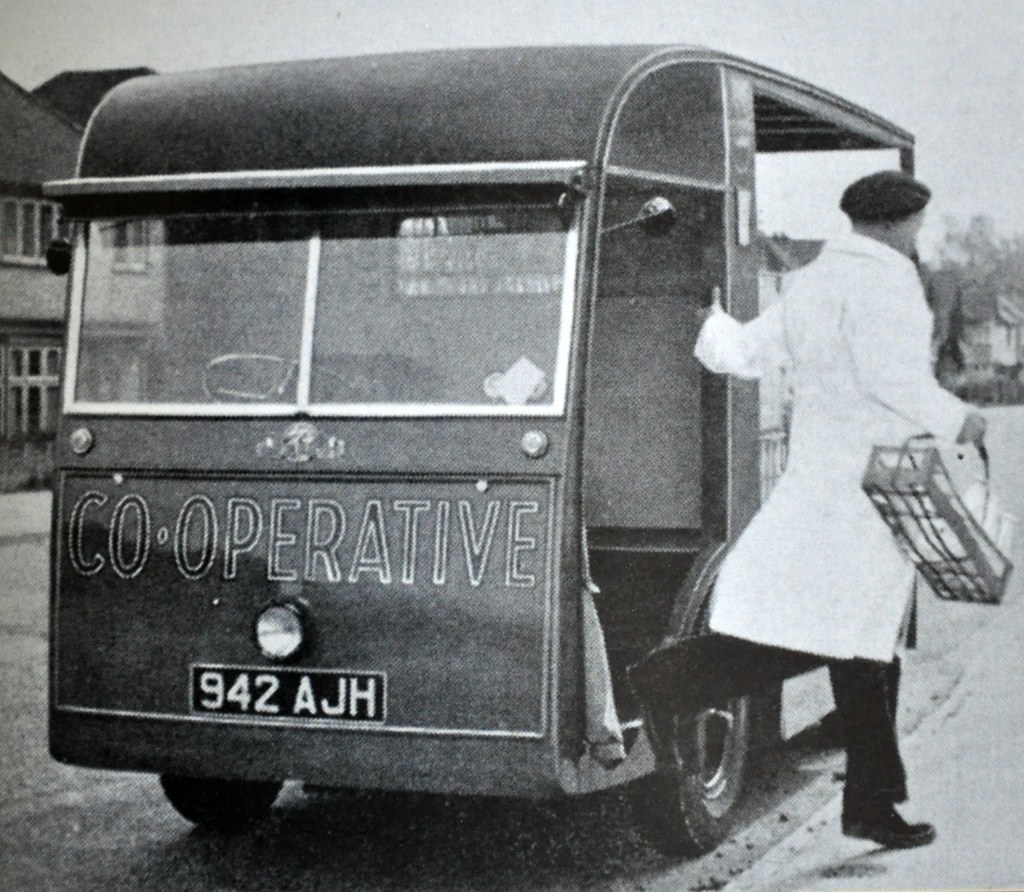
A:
[24,514]
[963,763]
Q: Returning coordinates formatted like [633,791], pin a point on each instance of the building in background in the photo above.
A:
[37,144]
[75,94]
[979,333]
[39,136]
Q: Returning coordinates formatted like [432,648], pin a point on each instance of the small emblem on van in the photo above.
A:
[301,443]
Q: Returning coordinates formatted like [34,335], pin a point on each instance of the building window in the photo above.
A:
[131,246]
[32,395]
[27,226]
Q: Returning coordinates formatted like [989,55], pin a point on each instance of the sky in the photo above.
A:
[950,72]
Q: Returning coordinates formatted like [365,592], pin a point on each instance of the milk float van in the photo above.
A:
[383,452]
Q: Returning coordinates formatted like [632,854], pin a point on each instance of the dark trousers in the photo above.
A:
[694,673]
[866,695]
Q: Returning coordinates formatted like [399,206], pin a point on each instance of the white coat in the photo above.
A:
[817,569]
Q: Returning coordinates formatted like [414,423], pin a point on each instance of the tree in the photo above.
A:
[979,254]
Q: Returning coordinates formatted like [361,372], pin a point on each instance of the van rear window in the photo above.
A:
[390,311]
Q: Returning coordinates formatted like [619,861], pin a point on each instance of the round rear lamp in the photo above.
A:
[535,444]
[279,632]
[81,440]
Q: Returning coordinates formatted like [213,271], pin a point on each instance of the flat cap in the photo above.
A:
[886,195]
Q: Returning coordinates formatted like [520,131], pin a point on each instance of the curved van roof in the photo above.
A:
[507,106]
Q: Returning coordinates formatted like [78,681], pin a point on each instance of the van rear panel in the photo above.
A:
[427,607]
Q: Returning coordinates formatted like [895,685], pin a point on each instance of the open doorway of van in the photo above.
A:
[797,210]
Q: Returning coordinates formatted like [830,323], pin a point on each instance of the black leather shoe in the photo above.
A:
[888,829]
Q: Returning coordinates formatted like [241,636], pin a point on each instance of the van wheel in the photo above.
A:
[686,807]
[219,804]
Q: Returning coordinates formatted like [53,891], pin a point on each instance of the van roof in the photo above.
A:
[508,105]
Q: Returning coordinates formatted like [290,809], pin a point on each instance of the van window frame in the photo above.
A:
[301,405]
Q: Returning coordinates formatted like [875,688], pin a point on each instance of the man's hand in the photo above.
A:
[973,430]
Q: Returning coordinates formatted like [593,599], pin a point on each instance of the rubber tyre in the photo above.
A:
[218,804]
[689,809]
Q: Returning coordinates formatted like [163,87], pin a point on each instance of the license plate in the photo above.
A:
[265,693]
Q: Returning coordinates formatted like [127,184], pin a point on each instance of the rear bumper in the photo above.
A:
[329,757]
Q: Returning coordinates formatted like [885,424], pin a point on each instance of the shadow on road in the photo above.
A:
[377,841]
[380,841]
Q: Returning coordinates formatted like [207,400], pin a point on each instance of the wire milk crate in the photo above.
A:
[948,544]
